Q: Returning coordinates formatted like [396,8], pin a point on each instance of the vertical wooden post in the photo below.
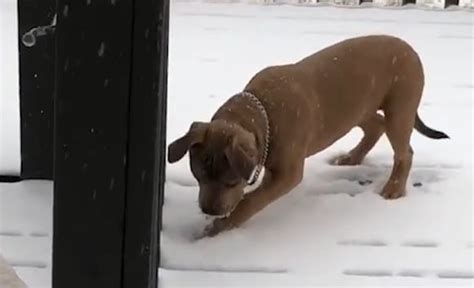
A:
[146,144]
[109,142]
[36,89]
[448,3]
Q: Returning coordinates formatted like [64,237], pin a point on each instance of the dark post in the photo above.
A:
[36,88]
[448,3]
[109,142]
[147,142]
[163,104]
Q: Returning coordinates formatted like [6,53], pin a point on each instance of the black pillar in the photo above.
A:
[109,142]
[36,65]
[147,143]
[448,3]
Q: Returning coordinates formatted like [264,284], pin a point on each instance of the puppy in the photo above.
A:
[288,113]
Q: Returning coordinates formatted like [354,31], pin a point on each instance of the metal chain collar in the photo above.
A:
[263,160]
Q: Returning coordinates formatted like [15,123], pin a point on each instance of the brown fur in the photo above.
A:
[310,105]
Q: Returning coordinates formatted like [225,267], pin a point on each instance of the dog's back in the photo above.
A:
[335,89]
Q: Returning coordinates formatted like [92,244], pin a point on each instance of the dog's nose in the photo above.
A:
[215,209]
[210,211]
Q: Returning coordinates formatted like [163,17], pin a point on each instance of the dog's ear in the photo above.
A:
[180,147]
[242,153]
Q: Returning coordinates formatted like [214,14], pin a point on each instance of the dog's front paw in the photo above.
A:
[345,160]
[214,228]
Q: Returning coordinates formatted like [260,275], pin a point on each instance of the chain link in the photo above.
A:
[263,160]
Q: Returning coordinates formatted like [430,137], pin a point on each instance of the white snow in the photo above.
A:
[26,230]
[9,90]
[330,230]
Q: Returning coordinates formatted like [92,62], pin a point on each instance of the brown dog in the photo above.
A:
[294,111]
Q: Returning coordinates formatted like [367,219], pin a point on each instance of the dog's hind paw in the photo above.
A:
[391,193]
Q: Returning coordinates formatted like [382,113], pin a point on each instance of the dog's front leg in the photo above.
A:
[274,185]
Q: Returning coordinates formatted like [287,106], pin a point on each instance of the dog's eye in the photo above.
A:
[232,184]
[208,161]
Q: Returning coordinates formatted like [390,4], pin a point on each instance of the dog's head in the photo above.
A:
[222,158]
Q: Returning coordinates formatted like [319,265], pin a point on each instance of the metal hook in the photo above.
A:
[29,38]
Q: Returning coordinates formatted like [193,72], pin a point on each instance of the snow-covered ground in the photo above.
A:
[9,90]
[330,230]
[26,230]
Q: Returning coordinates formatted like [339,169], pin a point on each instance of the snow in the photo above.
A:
[9,90]
[26,230]
[331,230]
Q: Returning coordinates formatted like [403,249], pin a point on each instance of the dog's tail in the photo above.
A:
[427,131]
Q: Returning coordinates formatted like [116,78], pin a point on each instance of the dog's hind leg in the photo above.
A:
[400,115]
[373,129]
[399,136]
